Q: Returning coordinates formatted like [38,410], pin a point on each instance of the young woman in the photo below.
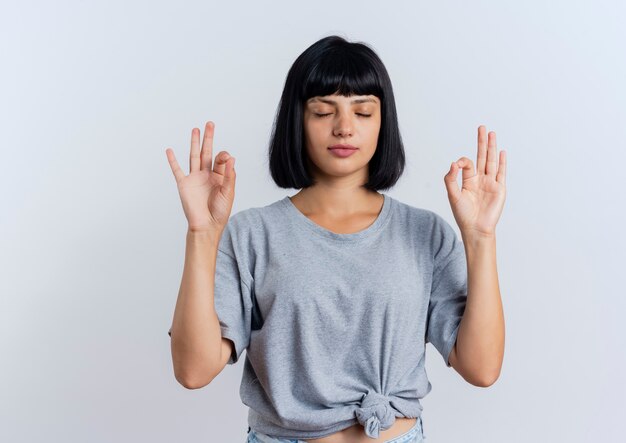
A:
[335,291]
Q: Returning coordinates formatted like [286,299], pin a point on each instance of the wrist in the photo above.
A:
[205,234]
[475,238]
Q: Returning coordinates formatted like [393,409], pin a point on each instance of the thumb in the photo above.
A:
[228,183]
[452,186]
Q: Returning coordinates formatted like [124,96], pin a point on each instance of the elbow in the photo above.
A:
[186,383]
[191,386]
[194,378]
[191,375]
[194,369]
[477,373]
[193,383]
[485,379]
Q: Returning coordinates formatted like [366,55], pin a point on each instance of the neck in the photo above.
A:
[336,201]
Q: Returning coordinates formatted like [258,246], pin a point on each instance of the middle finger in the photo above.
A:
[492,159]
[207,146]
[481,158]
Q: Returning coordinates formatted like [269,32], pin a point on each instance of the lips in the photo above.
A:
[342,146]
[341,151]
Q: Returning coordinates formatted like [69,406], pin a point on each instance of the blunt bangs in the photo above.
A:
[344,73]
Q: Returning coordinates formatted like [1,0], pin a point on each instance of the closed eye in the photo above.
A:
[324,115]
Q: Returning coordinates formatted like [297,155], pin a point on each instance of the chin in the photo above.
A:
[342,170]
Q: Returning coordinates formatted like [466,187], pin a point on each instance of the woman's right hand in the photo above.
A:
[208,192]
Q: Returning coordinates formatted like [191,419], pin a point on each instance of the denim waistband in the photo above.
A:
[413,435]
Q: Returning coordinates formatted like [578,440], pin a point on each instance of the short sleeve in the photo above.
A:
[233,295]
[448,293]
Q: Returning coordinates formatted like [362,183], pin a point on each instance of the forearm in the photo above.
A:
[196,335]
[480,339]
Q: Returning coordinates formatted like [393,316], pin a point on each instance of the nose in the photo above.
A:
[343,126]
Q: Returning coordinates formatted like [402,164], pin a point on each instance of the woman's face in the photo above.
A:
[334,119]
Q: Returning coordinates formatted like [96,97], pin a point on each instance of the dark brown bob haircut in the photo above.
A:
[334,65]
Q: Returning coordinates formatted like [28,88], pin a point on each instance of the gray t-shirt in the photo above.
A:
[335,325]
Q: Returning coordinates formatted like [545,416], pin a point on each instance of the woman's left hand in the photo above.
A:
[478,205]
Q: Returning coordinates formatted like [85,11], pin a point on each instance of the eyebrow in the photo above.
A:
[333,102]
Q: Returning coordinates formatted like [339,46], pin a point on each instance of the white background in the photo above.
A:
[92,230]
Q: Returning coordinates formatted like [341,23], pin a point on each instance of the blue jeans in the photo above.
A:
[413,435]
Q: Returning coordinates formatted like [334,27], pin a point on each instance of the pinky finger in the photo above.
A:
[178,172]
[501,176]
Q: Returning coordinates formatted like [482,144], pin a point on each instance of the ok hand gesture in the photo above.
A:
[478,204]
[208,192]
